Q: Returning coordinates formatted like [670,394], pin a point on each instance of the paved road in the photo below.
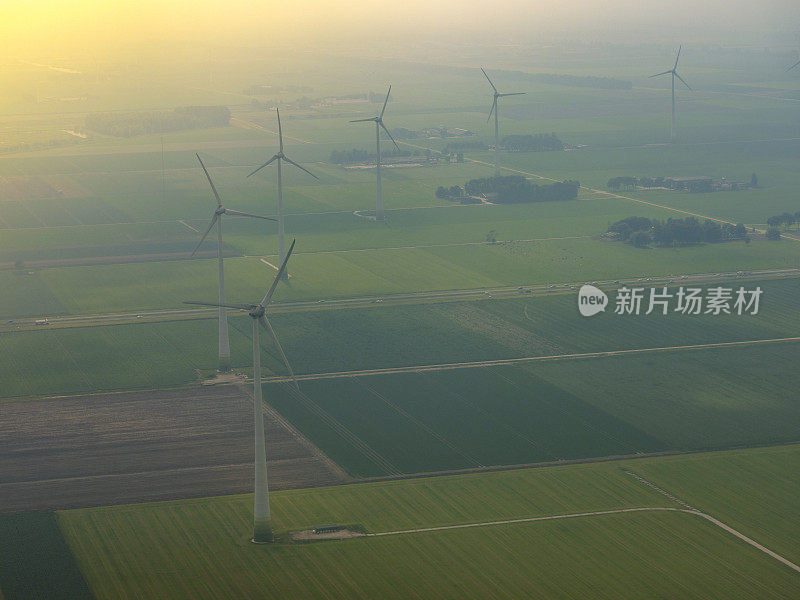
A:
[524,359]
[728,278]
[597,513]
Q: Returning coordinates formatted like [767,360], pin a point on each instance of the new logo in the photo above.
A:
[591,300]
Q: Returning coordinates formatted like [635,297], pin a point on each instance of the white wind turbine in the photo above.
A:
[495,108]
[378,125]
[793,66]
[279,157]
[262,526]
[673,71]
[216,219]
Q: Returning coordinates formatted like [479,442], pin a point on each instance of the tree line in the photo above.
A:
[641,231]
[786,219]
[355,156]
[512,189]
[541,142]
[142,123]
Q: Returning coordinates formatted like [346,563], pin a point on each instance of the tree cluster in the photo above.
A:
[786,219]
[515,189]
[541,142]
[641,231]
[452,147]
[455,191]
[603,83]
[355,156]
[142,123]
[627,183]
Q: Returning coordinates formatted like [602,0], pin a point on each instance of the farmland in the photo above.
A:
[641,554]
[144,446]
[168,353]
[546,411]
[103,406]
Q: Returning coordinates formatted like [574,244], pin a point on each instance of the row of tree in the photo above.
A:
[142,123]
[605,83]
[511,189]
[786,219]
[355,156]
[541,142]
[641,231]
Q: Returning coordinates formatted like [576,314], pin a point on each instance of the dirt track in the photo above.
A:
[143,446]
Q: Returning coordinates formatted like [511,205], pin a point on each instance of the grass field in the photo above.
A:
[35,560]
[147,354]
[548,411]
[199,548]
[755,490]
[153,285]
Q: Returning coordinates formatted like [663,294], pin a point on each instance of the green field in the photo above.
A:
[547,411]
[199,548]
[35,560]
[152,354]
[754,491]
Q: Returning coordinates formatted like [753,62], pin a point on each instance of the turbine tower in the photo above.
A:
[262,526]
[378,125]
[673,71]
[224,342]
[494,110]
[280,156]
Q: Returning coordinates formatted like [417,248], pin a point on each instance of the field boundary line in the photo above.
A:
[514,361]
[315,450]
[524,520]
[691,510]
[598,513]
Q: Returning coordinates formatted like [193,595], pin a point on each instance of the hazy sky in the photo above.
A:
[31,26]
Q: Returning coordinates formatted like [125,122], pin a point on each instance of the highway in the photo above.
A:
[513,291]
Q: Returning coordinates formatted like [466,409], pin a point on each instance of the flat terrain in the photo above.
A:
[142,446]
[200,549]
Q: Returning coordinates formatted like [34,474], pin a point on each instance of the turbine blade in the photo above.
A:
[491,110]
[489,80]
[271,289]
[684,83]
[268,326]
[264,165]
[213,221]
[660,74]
[793,66]
[213,187]
[677,57]
[302,168]
[280,131]
[389,134]
[385,102]
[362,120]
[513,94]
[236,306]
[238,213]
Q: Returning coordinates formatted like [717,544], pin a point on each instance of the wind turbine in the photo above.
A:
[495,108]
[262,527]
[673,71]
[279,157]
[224,342]
[793,66]
[378,124]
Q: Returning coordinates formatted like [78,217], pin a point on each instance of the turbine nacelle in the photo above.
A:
[378,120]
[497,94]
[220,210]
[674,71]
